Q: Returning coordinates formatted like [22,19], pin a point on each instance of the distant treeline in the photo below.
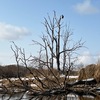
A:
[10,71]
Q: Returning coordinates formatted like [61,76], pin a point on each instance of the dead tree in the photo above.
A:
[53,44]
[66,36]
[52,39]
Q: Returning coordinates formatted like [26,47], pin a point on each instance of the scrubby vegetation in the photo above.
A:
[34,80]
[42,79]
[11,71]
[90,71]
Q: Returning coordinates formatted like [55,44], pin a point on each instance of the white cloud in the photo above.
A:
[86,7]
[11,32]
[6,58]
[87,58]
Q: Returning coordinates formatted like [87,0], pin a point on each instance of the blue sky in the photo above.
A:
[20,21]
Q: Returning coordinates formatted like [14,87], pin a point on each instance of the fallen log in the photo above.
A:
[82,82]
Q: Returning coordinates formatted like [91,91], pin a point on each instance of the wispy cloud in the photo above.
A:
[11,32]
[87,58]
[86,7]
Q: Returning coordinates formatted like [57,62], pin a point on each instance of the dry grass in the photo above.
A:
[40,80]
[44,73]
[87,72]
[48,83]
[89,97]
[90,71]
[97,73]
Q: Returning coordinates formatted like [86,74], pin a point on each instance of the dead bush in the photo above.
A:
[97,73]
[90,71]
[51,72]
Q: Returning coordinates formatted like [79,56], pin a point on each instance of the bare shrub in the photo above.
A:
[87,72]
[56,45]
[90,71]
[97,73]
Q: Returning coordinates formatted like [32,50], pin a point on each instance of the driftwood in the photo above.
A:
[80,87]
[83,87]
[70,88]
[85,82]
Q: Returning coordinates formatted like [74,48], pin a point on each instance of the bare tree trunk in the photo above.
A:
[64,56]
[52,48]
[58,55]
[58,42]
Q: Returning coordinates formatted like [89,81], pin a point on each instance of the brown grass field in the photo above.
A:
[90,71]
